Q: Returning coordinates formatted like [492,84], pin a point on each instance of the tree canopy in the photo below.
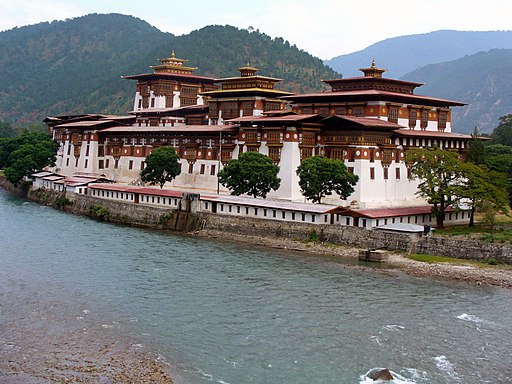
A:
[475,152]
[480,186]
[320,177]
[502,134]
[440,172]
[252,173]
[25,154]
[162,165]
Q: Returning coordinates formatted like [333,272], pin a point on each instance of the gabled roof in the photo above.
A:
[177,128]
[292,117]
[170,76]
[363,122]
[89,124]
[371,94]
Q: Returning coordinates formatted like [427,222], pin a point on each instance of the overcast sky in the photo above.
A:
[324,28]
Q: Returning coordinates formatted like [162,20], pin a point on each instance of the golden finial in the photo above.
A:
[172,54]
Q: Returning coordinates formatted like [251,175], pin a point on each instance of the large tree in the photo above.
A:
[502,134]
[162,165]
[498,157]
[480,186]
[26,154]
[320,177]
[475,152]
[440,175]
[252,173]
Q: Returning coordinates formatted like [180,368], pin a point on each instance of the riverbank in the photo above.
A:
[500,276]
[56,342]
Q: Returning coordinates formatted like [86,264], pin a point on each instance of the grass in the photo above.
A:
[502,232]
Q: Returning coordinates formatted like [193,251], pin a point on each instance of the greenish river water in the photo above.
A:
[226,313]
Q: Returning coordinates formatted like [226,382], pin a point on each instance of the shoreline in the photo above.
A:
[494,276]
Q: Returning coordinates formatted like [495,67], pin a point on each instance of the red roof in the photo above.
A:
[272,204]
[434,134]
[367,121]
[179,129]
[389,212]
[372,93]
[139,190]
[263,118]
[169,75]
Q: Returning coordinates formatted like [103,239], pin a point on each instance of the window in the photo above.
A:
[190,167]
[142,165]
[116,164]
[201,171]
[212,170]
[372,173]
[424,119]
[100,164]
[441,122]
[397,173]
[385,173]
[350,169]
[130,164]
[107,163]
[393,113]
[358,111]
[412,118]
[152,102]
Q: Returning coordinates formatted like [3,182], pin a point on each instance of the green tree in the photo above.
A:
[479,185]
[320,177]
[29,153]
[252,173]
[502,134]
[475,152]
[162,165]
[440,175]
[498,157]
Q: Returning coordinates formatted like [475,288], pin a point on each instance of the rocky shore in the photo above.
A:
[500,276]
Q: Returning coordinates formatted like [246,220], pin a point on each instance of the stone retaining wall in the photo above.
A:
[169,219]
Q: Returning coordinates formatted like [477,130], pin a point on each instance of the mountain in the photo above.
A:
[74,66]
[482,80]
[404,54]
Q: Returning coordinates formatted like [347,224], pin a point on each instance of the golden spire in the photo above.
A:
[173,65]
[373,71]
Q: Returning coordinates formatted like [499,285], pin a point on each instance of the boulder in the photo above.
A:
[382,374]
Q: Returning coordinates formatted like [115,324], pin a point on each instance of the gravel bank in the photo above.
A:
[491,275]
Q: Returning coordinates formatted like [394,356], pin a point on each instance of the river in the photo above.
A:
[232,314]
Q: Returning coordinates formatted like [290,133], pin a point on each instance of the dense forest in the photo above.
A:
[74,66]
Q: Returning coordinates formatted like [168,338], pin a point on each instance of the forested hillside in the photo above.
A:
[483,81]
[74,66]
[404,54]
